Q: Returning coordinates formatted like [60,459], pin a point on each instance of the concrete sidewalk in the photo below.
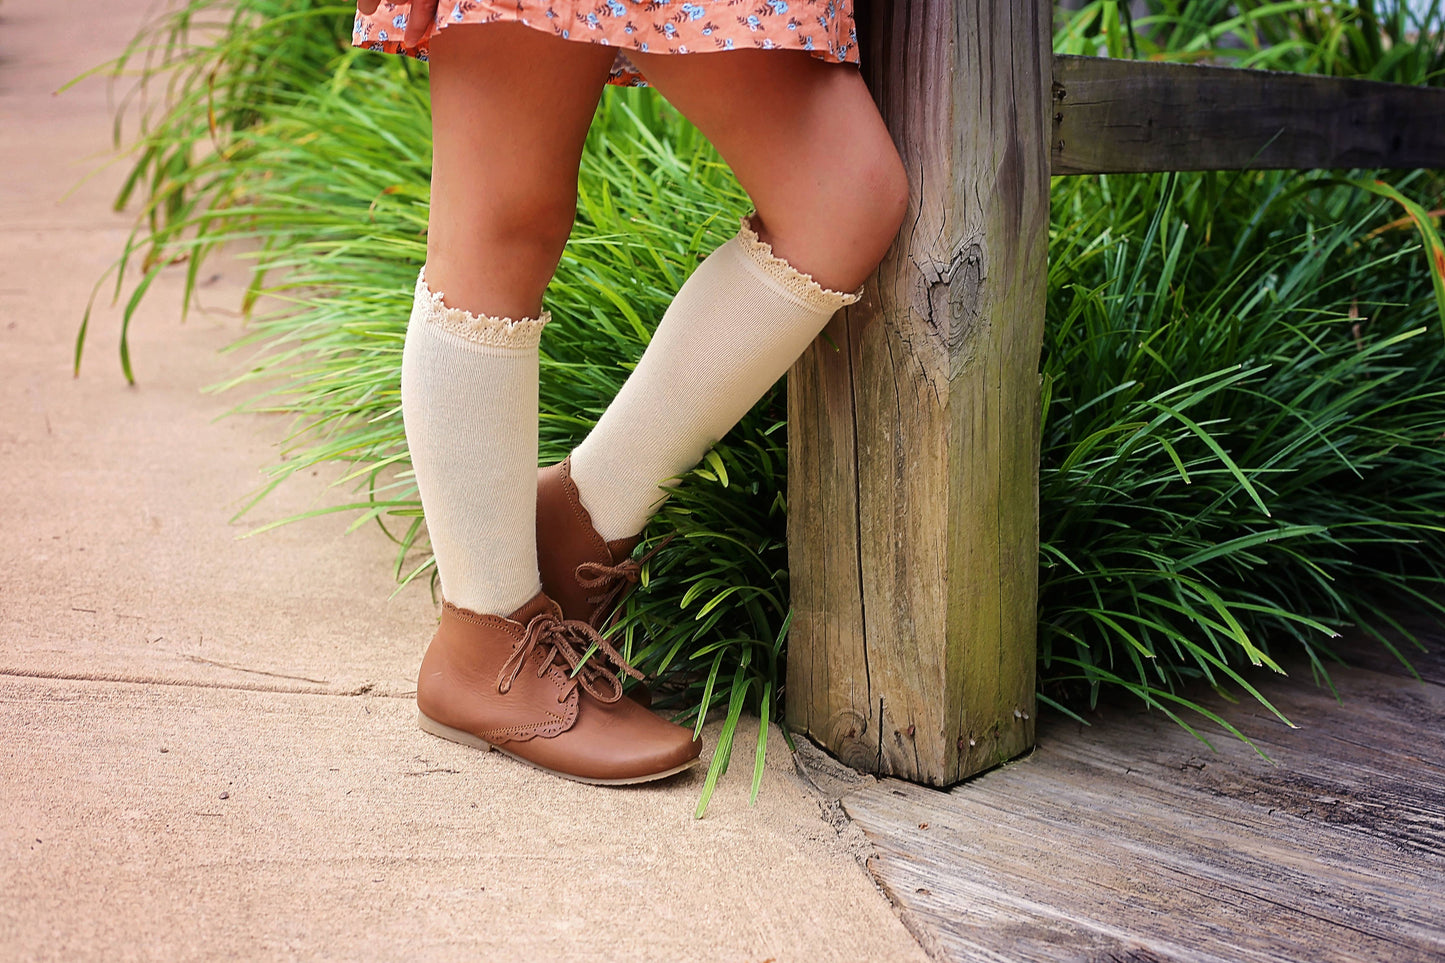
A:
[209,747]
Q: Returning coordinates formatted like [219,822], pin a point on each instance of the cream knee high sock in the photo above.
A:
[731,332]
[469,403]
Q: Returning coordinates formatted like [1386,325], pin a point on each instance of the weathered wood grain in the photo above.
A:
[1131,840]
[1424,649]
[913,449]
[1125,115]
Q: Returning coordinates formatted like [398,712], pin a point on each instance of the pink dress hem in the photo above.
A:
[822,28]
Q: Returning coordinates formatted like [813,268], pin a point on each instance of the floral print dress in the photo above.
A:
[824,28]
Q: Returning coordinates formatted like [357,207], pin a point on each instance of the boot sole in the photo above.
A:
[435,728]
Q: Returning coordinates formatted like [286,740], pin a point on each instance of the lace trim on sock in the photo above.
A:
[793,280]
[483,329]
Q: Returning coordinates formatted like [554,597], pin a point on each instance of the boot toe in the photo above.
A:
[619,742]
[678,750]
[657,761]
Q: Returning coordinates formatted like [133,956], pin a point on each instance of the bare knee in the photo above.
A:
[536,227]
[840,233]
[882,199]
[497,255]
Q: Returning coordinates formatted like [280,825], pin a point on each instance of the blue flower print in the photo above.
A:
[751,22]
[693,11]
[457,12]
[381,35]
[778,6]
[616,9]
[808,42]
[399,21]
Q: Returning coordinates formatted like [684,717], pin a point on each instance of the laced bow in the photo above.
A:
[613,582]
[568,641]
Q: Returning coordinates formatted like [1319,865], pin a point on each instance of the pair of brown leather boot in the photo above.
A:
[520,684]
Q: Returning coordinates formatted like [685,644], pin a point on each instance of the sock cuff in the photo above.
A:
[483,330]
[794,282]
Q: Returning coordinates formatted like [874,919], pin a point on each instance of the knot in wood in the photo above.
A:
[954,293]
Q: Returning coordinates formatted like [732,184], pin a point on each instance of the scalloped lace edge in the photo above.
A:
[793,280]
[482,329]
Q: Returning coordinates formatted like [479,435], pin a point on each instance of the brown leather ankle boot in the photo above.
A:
[586,575]
[514,684]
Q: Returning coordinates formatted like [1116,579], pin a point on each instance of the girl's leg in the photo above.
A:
[511,108]
[510,111]
[805,140]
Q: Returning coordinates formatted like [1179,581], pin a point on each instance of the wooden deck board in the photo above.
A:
[1132,840]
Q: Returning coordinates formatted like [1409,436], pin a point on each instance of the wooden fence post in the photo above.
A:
[913,423]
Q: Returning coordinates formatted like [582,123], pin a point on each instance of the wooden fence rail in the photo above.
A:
[1125,115]
[914,422]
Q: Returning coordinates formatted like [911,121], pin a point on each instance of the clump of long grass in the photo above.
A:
[1241,438]
[1241,446]
[205,74]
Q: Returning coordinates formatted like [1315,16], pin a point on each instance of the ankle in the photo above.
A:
[616,515]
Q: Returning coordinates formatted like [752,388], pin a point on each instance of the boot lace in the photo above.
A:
[612,582]
[569,642]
